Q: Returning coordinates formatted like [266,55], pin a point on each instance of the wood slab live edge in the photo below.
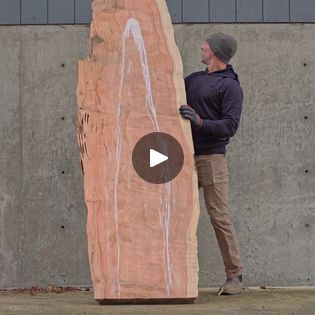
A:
[142,243]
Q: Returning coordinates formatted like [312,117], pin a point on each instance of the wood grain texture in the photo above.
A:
[141,237]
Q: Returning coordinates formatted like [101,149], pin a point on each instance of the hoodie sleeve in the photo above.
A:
[231,109]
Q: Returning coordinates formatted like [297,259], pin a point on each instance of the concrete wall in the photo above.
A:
[271,159]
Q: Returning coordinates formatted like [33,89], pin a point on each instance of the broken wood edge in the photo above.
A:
[178,81]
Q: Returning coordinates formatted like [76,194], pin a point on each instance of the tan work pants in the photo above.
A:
[213,177]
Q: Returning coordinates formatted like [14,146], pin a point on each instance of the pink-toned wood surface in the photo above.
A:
[141,237]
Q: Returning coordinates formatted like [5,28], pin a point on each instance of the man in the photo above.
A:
[215,98]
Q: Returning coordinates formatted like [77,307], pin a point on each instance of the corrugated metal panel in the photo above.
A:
[60,11]
[222,10]
[302,11]
[182,11]
[10,12]
[196,11]
[175,9]
[34,12]
[249,11]
[83,11]
[276,11]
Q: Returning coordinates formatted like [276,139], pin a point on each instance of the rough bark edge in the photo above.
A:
[168,30]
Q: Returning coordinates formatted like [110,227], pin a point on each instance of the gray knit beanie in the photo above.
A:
[223,45]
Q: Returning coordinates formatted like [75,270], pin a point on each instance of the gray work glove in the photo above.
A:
[188,112]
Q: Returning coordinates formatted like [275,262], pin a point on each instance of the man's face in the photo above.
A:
[206,53]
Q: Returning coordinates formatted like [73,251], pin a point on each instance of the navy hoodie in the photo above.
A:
[217,97]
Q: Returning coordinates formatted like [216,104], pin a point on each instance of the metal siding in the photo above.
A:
[181,11]
[60,11]
[195,11]
[10,12]
[276,11]
[83,11]
[302,11]
[222,10]
[175,9]
[34,12]
[249,10]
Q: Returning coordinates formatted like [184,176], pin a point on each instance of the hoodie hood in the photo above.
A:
[225,73]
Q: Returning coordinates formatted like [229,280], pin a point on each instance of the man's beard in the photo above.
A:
[206,61]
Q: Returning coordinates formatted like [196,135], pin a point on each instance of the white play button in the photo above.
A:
[156,158]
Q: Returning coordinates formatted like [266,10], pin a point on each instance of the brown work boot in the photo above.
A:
[232,286]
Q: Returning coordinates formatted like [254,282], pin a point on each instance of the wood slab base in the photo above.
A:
[146,301]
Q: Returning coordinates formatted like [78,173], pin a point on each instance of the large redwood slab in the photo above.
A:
[141,237]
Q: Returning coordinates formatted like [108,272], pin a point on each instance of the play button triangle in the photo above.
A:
[157,158]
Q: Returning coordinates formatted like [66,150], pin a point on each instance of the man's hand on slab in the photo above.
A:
[187,112]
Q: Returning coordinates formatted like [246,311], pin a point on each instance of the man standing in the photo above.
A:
[215,102]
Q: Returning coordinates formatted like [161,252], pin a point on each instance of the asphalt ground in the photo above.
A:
[252,301]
